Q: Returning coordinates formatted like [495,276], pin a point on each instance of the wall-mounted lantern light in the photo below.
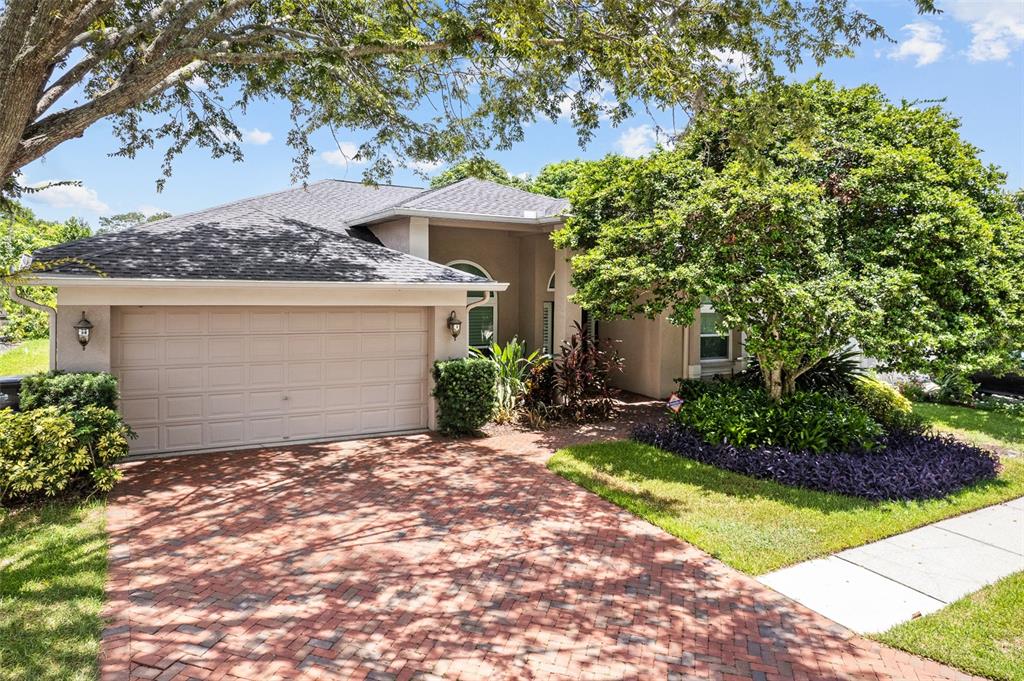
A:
[84,328]
[454,325]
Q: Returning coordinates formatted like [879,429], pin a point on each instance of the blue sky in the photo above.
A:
[972,55]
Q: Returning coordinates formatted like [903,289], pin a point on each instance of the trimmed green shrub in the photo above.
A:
[49,451]
[466,394]
[886,405]
[726,413]
[69,390]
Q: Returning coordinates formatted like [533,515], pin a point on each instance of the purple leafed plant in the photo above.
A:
[904,466]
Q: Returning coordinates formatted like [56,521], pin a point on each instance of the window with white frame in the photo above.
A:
[714,346]
[483,319]
[551,282]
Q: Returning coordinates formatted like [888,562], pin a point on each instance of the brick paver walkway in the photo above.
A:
[416,557]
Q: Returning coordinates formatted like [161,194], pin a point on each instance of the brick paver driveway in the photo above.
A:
[416,557]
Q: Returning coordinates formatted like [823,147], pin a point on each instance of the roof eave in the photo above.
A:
[59,280]
[454,215]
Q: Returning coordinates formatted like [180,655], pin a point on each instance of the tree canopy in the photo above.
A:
[430,82]
[481,168]
[22,232]
[882,225]
[115,223]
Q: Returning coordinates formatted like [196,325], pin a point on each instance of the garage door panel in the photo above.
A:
[227,349]
[304,322]
[409,417]
[184,322]
[304,347]
[376,344]
[134,322]
[138,381]
[345,371]
[305,399]
[184,350]
[305,426]
[141,410]
[374,395]
[177,379]
[266,321]
[375,421]
[411,344]
[183,407]
[226,321]
[406,367]
[136,351]
[406,393]
[262,375]
[342,345]
[266,402]
[381,320]
[182,436]
[229,377]
[226,404]
[266,430]
[148,439]
[225,433]
[335,398]
[226,377]
[267,348]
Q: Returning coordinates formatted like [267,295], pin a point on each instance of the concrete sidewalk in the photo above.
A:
[873,587]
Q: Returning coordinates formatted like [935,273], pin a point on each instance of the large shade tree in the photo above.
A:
[430,81]
[865,220]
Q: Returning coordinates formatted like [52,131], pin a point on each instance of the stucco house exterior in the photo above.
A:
[316,312]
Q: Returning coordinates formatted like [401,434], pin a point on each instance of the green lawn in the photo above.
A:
[755,525]
[28,358]
[984,428]
[53,563]
[982,633]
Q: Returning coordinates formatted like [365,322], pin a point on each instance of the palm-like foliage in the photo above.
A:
[513,364]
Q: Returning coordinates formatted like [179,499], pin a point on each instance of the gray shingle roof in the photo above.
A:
[482,197]
[301,234]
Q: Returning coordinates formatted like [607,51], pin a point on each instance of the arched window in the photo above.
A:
[551,282]
[483,319]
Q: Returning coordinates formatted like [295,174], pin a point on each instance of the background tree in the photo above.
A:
[556,179]
[480,168]
[430,81]
[882,225]
[115,223]
[22,232]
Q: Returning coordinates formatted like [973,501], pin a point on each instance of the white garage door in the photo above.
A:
[221,377]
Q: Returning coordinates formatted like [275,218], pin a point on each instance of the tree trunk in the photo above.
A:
[773,383]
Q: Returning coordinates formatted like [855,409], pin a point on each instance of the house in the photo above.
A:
[316,312]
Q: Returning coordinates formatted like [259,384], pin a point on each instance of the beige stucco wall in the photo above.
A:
[653,354]
[536,263]
[70,354]
[496,251]
[443,346]
[408,234]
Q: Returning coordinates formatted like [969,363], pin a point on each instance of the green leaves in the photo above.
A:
[871,221]
[465,392]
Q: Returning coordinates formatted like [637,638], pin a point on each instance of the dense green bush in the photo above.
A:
[69,390]
[837,373]
[955,389]
[886,405]
[48,451]
[466,394]
[806,421]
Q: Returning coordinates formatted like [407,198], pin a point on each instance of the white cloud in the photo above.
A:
[733,60]
[638,141]
[344,155]
[256,136]
[925,44]
[223,135]
[997,27]
[197,83]
[424,166]
[69,196]
[148,209]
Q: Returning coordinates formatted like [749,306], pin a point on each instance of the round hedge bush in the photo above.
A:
[466,394]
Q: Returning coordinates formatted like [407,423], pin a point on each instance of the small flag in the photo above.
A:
[675,402]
